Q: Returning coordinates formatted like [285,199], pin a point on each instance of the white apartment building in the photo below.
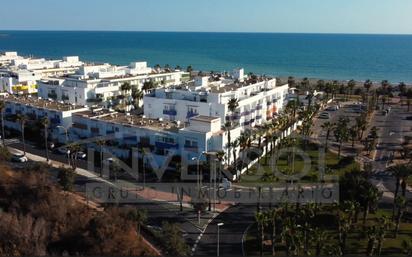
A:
[100,84]
[34,109]
[161,138]
[259,101]
[20,74]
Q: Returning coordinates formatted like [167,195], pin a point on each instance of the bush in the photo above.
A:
[345,161]
[173,240]
[4,154]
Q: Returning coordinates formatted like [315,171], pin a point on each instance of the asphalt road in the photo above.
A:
[236,221]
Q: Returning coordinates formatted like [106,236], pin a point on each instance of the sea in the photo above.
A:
[323,56]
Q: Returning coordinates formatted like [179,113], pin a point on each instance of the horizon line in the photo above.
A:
[223,32]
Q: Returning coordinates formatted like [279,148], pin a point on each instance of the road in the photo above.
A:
[392,128]
[236,221]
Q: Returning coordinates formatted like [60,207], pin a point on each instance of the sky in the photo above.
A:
[302,16]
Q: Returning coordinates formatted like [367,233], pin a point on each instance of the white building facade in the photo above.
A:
[162,139]
[20,74]
[257,103]
[101,84]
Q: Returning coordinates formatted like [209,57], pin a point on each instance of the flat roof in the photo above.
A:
[205,118]
[42,103]
[138,121]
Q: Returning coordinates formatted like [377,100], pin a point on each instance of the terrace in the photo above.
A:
[129,120]
[41,103]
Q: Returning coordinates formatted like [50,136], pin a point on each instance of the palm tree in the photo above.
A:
[261,219]
[291,81]
[402,88]
[125,88]
[328,127]
[45,122]
[2,107]
[22,120]
[320,237]
[400,204]
[351,86]
[148,85]
[244,140]
[407,247]
[371,234]
[367,85]
[272,216]
[400,172]
[139,217]
[341,132]
[361,124]
[137,95]
[227,127]
[353,133]
[383,227]
[320,85]
[232,105]
[371,196]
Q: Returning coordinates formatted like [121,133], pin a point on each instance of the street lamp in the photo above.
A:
[197,159]
[218,234]
[67,141]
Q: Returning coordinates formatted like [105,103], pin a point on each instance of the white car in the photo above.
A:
[18,156]
[62,150]
[226,184]
[81,155]
[332,108]
[324,115]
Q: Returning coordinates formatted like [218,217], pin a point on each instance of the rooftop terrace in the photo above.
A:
[130,120]
[41,103]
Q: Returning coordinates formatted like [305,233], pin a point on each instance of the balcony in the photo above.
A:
[52,95]
[170,112]
[55,120]
[191,148]
[163,145]
[94,100]
[191,114]
[245,113]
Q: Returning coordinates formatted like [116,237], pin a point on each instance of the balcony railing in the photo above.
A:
[191,148]
[170,112]
[191,114]
[164,145]
[52,95]
[55,120]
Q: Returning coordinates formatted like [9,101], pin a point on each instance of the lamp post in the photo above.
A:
[197,159]
[218,236]
[212,180]
[67,141]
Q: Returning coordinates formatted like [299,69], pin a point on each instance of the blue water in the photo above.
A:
[327,56]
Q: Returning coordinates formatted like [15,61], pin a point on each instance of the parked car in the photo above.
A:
[18,156]
[332,108]
[81,155]
[324,115]
[225,184]
[62,150]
